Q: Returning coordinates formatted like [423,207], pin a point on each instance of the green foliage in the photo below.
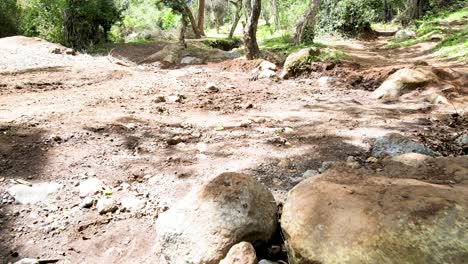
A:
[226,44]
[9,14]
[76,23]
[346,17]
[143,19]
[43,18]
[454,46]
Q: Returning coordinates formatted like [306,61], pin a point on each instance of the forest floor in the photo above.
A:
[65,119]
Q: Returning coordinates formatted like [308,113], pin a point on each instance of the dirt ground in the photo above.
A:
[67,118]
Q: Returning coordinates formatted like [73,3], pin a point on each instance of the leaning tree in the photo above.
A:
[182,7]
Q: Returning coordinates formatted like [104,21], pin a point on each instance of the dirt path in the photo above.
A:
[67,119]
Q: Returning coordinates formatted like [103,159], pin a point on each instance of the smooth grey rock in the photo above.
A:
[24,194]
[462,140]
[87,202]
[266,65]
[132,203]
[396,144]
[191,60]
[106,205]
[205,224]
[326,81]
[265,261]
[404,34]
[90,186]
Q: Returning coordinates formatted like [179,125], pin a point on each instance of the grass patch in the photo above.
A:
[454,46]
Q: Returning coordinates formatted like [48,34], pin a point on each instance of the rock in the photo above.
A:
[344,217]
[462,140]
[132,203]
[310,173]
[159,99]
[435,98]
[326,165]
[266,74]
[90,186]
[175,98]
[394,144]
[106,205]
[266,65]
[326,81]
[205,224]
[33,194]
[296,58]
[265,261]
[169,55]
[211,88]
[242,253]
[404,34]
[27,261]
[191,61]
[87,202]
[402,81]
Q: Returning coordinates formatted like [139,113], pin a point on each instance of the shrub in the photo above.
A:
[9,14]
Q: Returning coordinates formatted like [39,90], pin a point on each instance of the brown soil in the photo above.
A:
[64,122]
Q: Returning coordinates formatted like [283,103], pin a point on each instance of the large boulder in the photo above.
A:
[297,58]
[402,81]
[345,216]
[394,144]
[204,225]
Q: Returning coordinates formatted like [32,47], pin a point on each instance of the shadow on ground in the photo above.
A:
[22,156]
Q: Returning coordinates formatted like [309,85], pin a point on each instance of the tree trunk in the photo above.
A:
[183,30]
[305,28]
[201,17]
[188,13]
[237,17]
[274,6]
[250,33]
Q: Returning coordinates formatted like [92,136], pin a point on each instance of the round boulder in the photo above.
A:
[205,224]
[347,217]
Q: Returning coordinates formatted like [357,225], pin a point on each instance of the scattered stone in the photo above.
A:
[366,218]
[266,74]
[87,202]
[462,140]
[326,165]
[106,205]
[90,186]
[402,81]
[174,140]
[132,203]
[372,160]
[205,224]
[191,61]
[326,81]
[175,98]
[159,99]
[310,173]
[242,253]
[211,88]
[266,65]
[394,144]
[404,34]
[24,194]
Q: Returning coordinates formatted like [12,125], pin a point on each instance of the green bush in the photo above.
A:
[9,15]
[43,18]
[346,17]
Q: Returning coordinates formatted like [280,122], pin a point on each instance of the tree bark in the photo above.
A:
[183,30]
[250,33]
[201,17]
[274,4]
[188,13]
[237,17]
[305,28]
